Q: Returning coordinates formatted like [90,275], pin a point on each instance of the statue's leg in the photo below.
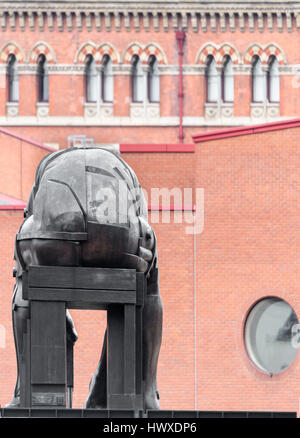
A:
[97,397]
[20,314]
[152,332]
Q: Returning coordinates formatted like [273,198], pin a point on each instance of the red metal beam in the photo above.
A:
[12,207]
[245,130]
[26,140]
[162,147]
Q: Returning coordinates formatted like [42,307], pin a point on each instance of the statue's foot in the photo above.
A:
[14,403]
[93,404]
[152,400]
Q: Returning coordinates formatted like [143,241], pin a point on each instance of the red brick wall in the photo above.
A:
[9,225]
[18,162]
[249,249]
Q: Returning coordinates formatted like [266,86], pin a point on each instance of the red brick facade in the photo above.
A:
[249,247]
[248,250]
[66,49]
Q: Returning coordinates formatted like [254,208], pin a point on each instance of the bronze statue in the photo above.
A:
[94,191]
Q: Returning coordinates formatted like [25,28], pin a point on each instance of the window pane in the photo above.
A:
[108,81]
[13,79]
[46,86]
[228,81]
[274,82]
[269,335]
[137,81]
[92,81]
[212,81]
[154,91]
[43,79]
[259,85]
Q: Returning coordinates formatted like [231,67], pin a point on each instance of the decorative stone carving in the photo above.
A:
[194,22]
[42,109]
[22,21]
[90,109]
[12,109]
[12,20]
[190,14]
[147,110]
[88,21]
[227,110]
[211,111]
[50,21]
[3,20]
[137,110]
[268,110]
[273,110]
[242,21]
[257,111]
[152,110]
[106,109]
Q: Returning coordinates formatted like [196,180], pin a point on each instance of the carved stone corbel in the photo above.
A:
[175,20]
[231,22]
[78,21]
[31,20]
[127,21]
[242,21]
[223,22]
[69,21]
[251,21]
[260,21]
[136,21]
[97,16]
[279,21]
[21,21]
[203,22]
[41,21]
[117,20]
[88,21]
[289,23]
[50,21]
[165,21]
[184,20]
[3,20]
[107,21]
[270,22]
[12,20]
[59,21]
[156,21]
[213,22]
[194,22]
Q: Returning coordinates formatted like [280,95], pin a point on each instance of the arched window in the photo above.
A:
[273,81]
[107,80]
[227,81]
[91,80]
[153,80]
[212,80]
[258,81]
[43,79]
[12,79]
[137,79]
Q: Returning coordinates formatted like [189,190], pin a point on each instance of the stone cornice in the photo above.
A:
[165,16]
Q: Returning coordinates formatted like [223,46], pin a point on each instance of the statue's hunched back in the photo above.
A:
[90,191]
